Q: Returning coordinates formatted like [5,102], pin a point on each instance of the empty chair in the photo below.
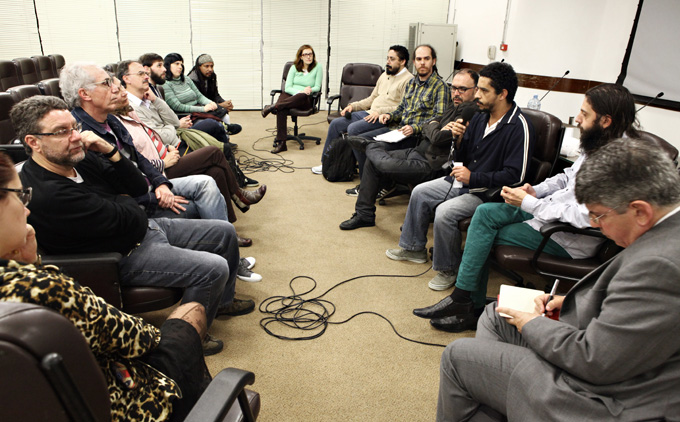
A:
[50,87]
[357,82]
[58,62]
[9,75]
[21,92]
[43,66]
[27,70]
[7,133]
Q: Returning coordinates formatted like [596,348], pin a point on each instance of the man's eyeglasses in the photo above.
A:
[140,73]
[63,132]
[108,82]
[24,194]
[596,218]
[461,89]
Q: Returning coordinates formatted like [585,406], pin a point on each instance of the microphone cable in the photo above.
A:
[314,314]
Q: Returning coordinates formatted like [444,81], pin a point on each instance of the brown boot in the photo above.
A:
[266,110]
[253,197]
[240,201]
[279,146]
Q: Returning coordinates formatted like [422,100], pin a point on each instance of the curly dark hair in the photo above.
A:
[502,77]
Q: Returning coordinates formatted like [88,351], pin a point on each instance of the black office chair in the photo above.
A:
[9,75]
[27,71]
[58,62]
[49,373]
[356,83]
[295,113]
[43,66]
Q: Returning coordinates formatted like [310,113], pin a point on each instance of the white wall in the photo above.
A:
[548,37]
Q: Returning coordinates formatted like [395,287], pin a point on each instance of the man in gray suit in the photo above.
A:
[614,353]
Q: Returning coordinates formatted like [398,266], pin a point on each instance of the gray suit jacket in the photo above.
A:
[615,353]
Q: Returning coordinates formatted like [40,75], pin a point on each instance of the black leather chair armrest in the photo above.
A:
[98,271]
[17,152]
[273,94]
[551,228]
[332,98]
[228,386]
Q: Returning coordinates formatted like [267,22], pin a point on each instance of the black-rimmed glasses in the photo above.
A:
[67,132]
[24,194]
[461,89]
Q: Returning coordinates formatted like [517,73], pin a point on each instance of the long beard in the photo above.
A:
[593,138]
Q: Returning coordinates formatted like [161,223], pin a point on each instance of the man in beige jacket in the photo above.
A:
[386,96]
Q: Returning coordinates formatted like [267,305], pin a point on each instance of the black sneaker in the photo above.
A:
[237,307]
[384,192]
[353,191]
[233,129]
[251,183]
[211,345]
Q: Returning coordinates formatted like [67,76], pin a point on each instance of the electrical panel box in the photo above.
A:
[440,36]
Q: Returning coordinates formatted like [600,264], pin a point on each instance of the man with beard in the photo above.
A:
[153,63]
[424,162]
[607,113]
[386,96]
[425,97]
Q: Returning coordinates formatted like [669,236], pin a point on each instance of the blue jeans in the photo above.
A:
[449,207]
[205,199]
[200,256]
[354,126]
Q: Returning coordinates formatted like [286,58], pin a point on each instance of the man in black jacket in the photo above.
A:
[83,191]
[204,77]
[413,165]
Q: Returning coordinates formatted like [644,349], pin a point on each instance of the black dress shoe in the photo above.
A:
[444,308]
[357,143]
[456,323]
[356,222]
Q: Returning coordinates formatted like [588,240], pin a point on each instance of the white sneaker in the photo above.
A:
[443,280]
[251,262]
[317,169]
[244,272]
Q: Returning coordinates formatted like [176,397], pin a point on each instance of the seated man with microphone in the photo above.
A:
[495,151]
[421,163]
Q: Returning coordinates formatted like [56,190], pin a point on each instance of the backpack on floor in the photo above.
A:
[338,163]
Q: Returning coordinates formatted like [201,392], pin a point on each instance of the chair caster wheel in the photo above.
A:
[318,142]
[381,202]
[302,147]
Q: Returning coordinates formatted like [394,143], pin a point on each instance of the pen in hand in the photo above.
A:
[552,294]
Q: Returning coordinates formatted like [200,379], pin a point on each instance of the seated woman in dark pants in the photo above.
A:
[304,78]
[167,372]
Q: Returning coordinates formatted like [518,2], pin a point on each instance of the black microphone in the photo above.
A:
[659,95]
[467,114]
[554,85]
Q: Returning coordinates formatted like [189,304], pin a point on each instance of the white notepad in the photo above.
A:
[518,298]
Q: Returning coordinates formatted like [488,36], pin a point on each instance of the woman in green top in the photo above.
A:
[304,78]
[181,93]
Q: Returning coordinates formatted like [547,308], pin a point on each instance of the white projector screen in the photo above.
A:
[653,59]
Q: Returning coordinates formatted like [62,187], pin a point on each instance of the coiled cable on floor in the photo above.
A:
[314,314]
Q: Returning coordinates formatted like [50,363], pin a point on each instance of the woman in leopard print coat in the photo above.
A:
[117,340]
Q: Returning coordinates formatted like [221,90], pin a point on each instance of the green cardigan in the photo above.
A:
[184,97]
[297,81]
